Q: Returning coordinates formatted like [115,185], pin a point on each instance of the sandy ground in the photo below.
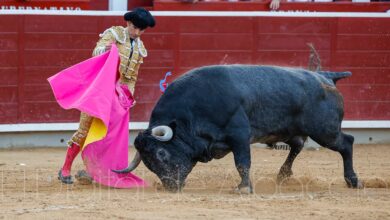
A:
[30,189]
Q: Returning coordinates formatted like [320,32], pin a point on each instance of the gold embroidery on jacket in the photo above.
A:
[128,68]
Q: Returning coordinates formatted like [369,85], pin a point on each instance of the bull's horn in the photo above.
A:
[134,164]
[162,133]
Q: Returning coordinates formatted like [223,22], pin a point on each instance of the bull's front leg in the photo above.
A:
[238,135]
[242,159]
[245,186]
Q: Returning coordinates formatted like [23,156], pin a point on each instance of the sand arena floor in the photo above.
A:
[30,190]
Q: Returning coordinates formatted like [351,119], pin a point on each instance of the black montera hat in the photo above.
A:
[140,17]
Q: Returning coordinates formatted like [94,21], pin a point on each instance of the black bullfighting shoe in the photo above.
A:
[65,179]
[83,178]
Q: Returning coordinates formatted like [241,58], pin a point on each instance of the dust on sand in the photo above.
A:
[30,190]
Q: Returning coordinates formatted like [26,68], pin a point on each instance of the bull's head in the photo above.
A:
[164,154]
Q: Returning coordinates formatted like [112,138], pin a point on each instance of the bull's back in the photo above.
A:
[254,85]
[264,92]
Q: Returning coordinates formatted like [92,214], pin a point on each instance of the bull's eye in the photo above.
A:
[162,155]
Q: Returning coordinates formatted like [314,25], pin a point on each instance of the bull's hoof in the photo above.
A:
[64,179]
[83,178]
[243,190]
[354,182]
[283,174]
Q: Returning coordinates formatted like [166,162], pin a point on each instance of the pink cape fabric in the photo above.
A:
[91,87]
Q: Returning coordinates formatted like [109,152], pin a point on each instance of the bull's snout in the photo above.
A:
[172,185]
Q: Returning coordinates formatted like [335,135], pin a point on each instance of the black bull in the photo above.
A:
[214,110]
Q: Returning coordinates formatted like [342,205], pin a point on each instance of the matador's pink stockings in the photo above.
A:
[71,153]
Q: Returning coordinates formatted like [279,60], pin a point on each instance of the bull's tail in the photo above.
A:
[334,76]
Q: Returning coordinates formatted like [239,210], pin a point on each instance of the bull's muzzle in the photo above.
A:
[172,185]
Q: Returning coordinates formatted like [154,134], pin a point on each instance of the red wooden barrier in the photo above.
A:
[255,5]
[33,47]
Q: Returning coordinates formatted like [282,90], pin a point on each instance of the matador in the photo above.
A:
[131,53]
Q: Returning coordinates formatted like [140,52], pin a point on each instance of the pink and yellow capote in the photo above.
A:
[92,87]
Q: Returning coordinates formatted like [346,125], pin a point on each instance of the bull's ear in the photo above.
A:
[173,125]
[139,141]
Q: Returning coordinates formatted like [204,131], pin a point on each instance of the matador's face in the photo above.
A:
[134,32]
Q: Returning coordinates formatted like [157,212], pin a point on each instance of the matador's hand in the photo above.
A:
[108,47]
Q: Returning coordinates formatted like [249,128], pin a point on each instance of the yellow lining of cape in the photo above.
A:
[97,131]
